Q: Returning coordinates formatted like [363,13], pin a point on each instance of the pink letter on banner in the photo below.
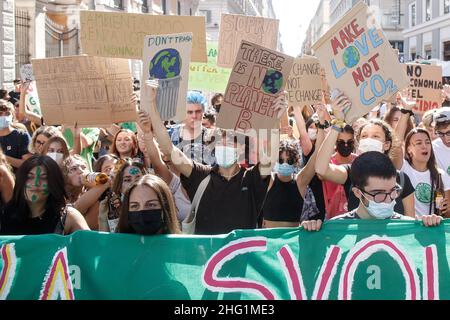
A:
[430,274]
[227,253]
[327,273]
[363,250]
[57,281]
[292,273]
[8,255]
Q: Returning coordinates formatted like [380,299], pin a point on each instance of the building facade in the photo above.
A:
[50,28]
[213,9]
[318,25]
[428,32]
[391,15]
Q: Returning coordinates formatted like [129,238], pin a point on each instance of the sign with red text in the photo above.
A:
[235,28]
[359,61]
[259,75]
[304,85]
[425,83]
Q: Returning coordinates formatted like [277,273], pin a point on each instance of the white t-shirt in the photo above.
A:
[442,153]
[421,182]
[181,201]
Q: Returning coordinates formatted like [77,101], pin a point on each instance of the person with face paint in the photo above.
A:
[56,148]
[39,202]
[83,195]
[233,197]
[148,208]
[374,180]
[374,135]
[334,194]
[14,142]
[126,174]
[163,169]
[286,192]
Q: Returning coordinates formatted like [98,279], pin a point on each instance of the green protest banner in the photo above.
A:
[344,260]
[208,76]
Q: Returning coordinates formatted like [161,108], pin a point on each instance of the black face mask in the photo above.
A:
[146,222]
[345,149]
[217,107]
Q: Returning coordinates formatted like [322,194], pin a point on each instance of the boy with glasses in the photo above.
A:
[374,183]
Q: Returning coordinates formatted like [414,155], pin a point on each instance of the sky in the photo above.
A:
[294,16]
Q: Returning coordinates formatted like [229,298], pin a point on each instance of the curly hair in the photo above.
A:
[291,149]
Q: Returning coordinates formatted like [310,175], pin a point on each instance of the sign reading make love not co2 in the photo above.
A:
[359,61]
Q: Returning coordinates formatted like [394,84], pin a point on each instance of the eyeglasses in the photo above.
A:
[442,134]
[40,142]
[379,197]
[349,142]
[289,161]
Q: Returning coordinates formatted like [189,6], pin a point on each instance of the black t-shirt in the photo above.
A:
[15,144]
[11,223]
[353,201]
[226,205]
[317,190]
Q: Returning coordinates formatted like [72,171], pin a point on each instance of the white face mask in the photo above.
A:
[5,121]
[225,156]
[312,133]
[381,210]
[57,156]
[369,144]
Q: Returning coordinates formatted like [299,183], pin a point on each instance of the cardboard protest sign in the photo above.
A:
[26,73]
[426,85]
[258,76]
[304,85]
[235,28]
[166,58]
[91,91]
[359,61]
[32,99]
[121,35]
[208,76]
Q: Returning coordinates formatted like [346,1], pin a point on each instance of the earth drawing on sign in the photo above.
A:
[273,80]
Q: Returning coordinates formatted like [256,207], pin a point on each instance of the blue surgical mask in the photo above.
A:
[381,210]
[284,169]
[226,157]
[5,121]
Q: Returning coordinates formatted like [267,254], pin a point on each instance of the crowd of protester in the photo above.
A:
[153,177]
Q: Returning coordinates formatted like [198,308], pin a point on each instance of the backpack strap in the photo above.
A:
[188,224]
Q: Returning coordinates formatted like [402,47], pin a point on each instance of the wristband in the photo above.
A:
[405,111]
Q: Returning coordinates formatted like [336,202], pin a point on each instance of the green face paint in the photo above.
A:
[34,198]
[38,176]
[45,187]
[134,171]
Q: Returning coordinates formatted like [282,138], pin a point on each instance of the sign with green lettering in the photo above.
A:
[208,76]
[344,260]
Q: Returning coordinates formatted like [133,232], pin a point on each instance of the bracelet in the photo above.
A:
[405,111]
[323,126]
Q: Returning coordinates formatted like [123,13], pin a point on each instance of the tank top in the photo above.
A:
[283,202]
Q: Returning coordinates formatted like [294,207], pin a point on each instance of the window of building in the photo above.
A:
[446,46]
[446,6]
[145,6]
[179,7]
[427,10]
[190,11]
[207,14]
[164,6]
[428,52]
[412,14]
[117,4]
[413,56]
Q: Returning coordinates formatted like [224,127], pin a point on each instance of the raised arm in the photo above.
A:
[152,150]
[183,164]
[89,198]
[305,142]
[400,130]
[326,170]
[305,176]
